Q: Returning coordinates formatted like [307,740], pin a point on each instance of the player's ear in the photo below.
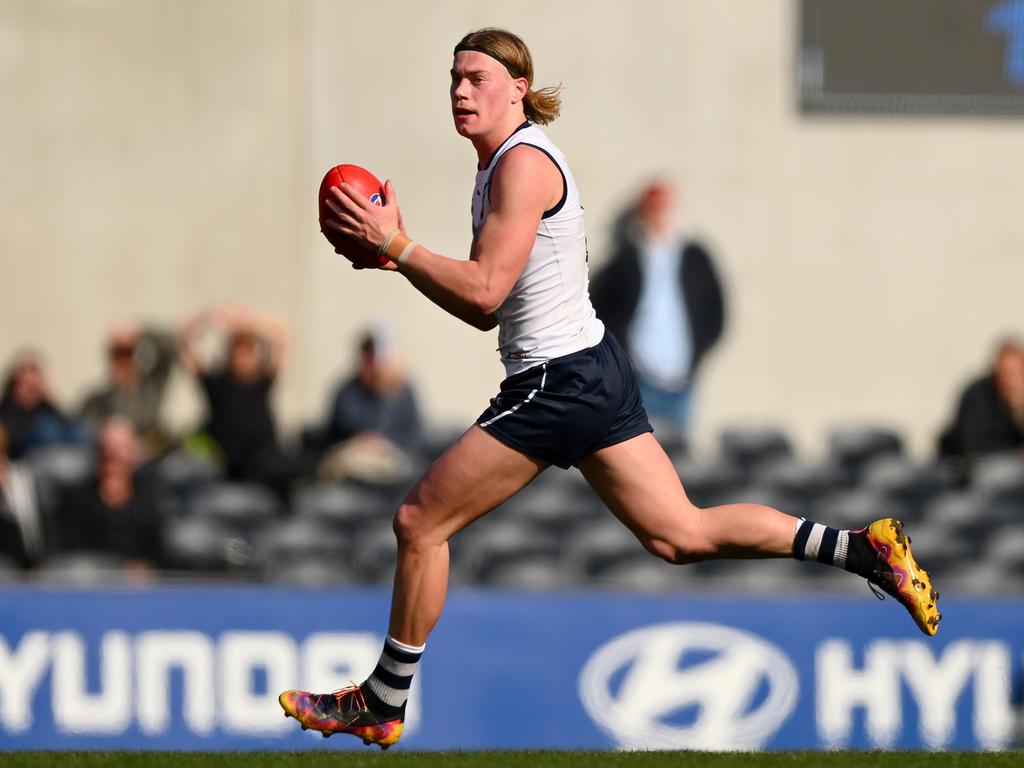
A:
[520,88]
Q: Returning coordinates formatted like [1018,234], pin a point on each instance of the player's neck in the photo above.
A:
[487,145]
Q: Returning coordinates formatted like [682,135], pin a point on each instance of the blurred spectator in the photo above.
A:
[139,366]
[373,429]
[27,412]
[21,527]
[239,418]
[990,413]
[116,512]
[661,296]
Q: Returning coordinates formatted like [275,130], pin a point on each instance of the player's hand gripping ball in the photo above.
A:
[369,186]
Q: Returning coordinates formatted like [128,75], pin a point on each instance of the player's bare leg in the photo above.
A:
[639,484]
[473,477]
[641,487]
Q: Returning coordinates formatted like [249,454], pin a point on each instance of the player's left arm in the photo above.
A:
[523,186]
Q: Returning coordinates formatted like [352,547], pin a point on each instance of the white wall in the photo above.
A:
[160,156]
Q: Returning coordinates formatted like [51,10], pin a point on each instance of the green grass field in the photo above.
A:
[538,759]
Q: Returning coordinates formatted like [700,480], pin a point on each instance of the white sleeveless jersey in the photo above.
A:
[548,312]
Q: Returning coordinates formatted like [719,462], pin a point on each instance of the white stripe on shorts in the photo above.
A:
[517,406]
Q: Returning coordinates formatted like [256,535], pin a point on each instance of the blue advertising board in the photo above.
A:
[200,668]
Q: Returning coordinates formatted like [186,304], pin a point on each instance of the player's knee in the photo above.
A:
[412,525]
[408,524]
[681,547]
[673,553]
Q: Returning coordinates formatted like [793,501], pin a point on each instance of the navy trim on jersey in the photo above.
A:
[525,124]
[565,184]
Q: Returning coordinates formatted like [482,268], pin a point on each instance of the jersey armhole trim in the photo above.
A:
[565,184]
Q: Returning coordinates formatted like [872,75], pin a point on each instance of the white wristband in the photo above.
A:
[404,255]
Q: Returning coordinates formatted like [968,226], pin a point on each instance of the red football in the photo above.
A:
[368,186]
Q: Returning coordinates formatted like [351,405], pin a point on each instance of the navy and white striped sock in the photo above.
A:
[815,541]
[392,677]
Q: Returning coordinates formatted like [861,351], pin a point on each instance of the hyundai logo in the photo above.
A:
[688,686]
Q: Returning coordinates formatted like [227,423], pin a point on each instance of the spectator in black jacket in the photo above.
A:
[116,512]
[989,416]
[661,296]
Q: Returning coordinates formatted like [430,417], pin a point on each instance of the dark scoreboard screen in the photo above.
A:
[912,56]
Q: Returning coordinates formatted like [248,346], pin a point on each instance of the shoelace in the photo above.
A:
[345,699]
[876,589]
[350,699]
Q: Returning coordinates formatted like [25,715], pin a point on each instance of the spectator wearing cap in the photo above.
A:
[139,367]
[373,426]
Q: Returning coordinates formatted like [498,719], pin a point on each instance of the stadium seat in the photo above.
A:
[374,552]
[312,572]
[761,576]
[855,508]
[645,573]
[490,542]
[1000,477]
[57,467]
[959,514]
[82,569]
[707,484]
[63,465]
[183,474]
[854,447]
[938,551]
[293,540]
[345,505]
[749,448]
[907,481]
[772,497]
[792,478]
[203,544]
[244,506]
[1006,549]
[557,507]
[599,546]
[981,578]
[532,573]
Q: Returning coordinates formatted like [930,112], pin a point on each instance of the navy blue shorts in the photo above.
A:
[567,408]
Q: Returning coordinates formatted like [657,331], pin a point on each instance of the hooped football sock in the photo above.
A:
[392,677]
[845,549]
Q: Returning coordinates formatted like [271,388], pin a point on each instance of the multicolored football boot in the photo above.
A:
[343,711]
[898,574]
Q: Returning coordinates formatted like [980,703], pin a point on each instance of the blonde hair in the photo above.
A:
[541,105]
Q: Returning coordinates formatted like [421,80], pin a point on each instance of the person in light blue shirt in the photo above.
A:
[661,295]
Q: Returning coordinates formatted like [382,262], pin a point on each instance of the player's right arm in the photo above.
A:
[523,186]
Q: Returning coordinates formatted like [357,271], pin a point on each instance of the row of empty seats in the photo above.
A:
[556,533]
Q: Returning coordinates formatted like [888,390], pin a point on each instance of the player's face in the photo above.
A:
[483,93]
